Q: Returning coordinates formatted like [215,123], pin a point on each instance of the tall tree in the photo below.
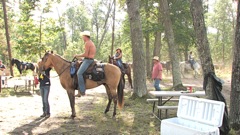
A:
[202,42]
[182,26]
[62,24]
[147,39]
[7,34]
[113,26]
[235,85]
[173,48]
[222,20]
[158,33]
[139,73]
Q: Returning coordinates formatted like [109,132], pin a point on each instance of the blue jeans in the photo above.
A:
[119,63]
[44,90]
[156,84]
[85,64]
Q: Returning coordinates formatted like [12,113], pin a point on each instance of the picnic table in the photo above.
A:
[24,84]
[162,97]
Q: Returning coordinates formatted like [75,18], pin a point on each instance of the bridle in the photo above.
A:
[45,59]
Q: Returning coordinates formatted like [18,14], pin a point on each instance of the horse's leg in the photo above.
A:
[113,93]
[109,98]
[123,76]
[115,105]
[129,77]
[72,102]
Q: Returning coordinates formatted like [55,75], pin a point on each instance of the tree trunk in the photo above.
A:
[105,25]
[147,40]
[202,42]
[7,35]
[235,91]
[113,27]
[148,62]
[139,73]
[158,35]
[157,44]
[186,52]
[173,48]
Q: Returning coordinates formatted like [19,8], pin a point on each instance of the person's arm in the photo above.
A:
[120,55]
[85,54]
[159,71]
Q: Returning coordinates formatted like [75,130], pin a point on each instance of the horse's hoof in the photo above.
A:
[106,111]
[78,95]
[114,117]
[73,116]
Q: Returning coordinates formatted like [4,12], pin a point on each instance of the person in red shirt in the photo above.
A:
[157,73]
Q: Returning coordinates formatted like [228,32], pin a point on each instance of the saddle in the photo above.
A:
[25,65]
[94,72]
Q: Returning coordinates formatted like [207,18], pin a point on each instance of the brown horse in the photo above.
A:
[126,67]
[112,82]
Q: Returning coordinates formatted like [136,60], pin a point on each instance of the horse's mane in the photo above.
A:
[15,61]
[62,58]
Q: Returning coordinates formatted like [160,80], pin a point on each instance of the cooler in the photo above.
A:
[195,116]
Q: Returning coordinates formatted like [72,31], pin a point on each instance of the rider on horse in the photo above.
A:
[190,59]
[118,58]
[90,51]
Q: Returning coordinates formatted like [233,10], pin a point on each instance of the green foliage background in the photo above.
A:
[31,33]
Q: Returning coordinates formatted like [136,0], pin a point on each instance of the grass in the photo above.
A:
[7,92]
[134,118]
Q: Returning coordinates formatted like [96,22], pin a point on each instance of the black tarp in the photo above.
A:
[217,95]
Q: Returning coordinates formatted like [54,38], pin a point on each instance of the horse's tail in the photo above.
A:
[120,92]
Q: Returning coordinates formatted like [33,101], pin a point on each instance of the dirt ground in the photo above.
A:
[19,113]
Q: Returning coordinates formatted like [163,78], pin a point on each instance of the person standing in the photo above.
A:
[157,73]
[2,68]
[44,79]
[89,54]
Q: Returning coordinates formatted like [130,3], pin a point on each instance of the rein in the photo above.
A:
[61,72]
[64,69]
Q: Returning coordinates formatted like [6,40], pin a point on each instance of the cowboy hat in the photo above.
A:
[156,58]
[85,33]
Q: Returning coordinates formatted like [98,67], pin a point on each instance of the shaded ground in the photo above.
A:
[19,114]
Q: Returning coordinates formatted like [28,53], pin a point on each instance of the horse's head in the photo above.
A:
[12,61]
[46,62]
[111,60]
